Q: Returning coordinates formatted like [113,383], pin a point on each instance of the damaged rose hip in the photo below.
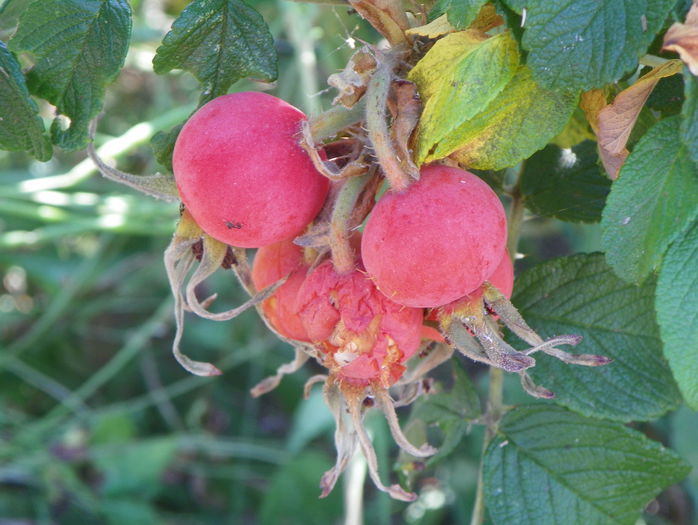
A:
[364,339]
[241,173]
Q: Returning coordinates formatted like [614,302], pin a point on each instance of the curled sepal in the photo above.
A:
[437,355]
[159,186]
[344,436]
[387,405]
[502,355]
[355,405]
[535,390]
[508,313]
[329,168]
[179,260]
[270,383]
[213,256]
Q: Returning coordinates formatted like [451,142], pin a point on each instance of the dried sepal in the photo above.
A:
[355,405]
[407,110]
[501,354]
[508,313]
[534,390]
[351,82]
[159,186]
[387,405]
[270,383]
[435,357]
[212,258]
[329,168]
[345,436]
[179,260]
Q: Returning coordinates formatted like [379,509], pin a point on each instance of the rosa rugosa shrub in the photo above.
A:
[241,173]
[436,241]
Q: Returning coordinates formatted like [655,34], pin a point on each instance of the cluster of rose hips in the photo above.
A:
[357,282]
[379,288]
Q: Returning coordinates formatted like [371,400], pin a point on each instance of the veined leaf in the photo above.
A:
[677,311]
[654,199]
[582,44]
[460,13]
[79,47]
[219,42]
[550,466]
[581,295]
[458,77]
[567,184]
[21,128]
[522,119]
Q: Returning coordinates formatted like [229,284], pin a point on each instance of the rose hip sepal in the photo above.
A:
[241,173]
[364,340]
[190,245]
[476,315]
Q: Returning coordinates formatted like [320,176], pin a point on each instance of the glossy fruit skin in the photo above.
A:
[272,263]
[436,241]
[365,337]
[241,173]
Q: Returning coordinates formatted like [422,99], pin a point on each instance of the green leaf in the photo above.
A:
[460,13]
[521,120]
[458,77]
[219,42]
[579,45]
[566,184]
[654,199]
[689,113]
[677,311]
[79,47]
[551,466]
[163,143]
[449,410]
[581,295]
[21,128]
[294,489]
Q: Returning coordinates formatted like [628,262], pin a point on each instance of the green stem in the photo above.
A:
[515,221]
[377,125]
[495,400]
[340,224]
[329,123]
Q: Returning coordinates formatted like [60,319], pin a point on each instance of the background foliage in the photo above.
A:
[98,424]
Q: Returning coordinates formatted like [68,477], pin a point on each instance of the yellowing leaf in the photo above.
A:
[522,119]
[433,29]
[683,38]
[457,78]
[439,60]
[616,121]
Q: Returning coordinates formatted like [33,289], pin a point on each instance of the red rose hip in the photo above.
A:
[436,241]
[241,173]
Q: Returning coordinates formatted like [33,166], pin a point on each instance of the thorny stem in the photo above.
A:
[377,125]
[495,400]
[340,224]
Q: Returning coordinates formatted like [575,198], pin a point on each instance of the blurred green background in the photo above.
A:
[98,423]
